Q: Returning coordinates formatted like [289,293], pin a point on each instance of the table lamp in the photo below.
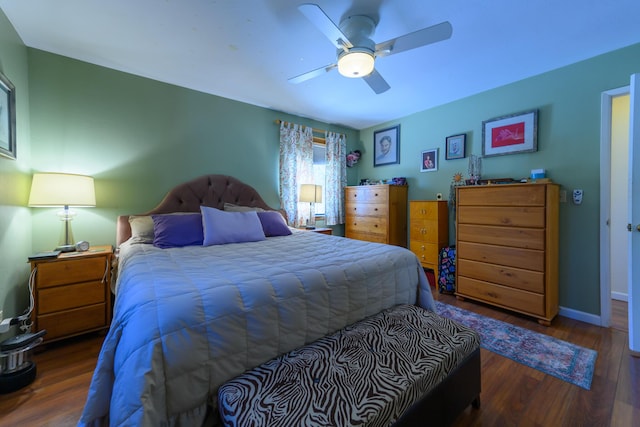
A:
[311,193]
[66,190]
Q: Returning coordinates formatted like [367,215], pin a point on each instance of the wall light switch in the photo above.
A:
[563,196]
[577,197]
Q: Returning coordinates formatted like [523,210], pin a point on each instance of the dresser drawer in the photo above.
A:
[503,296]
[527,280]
[60,298]
[367,209]
[426,231]
[528,259]
[423,210]
[71,322]
[367,194]
[530,238]
[70,271]
[504,216]
[367,237]
[427,253]
[367,224]
[502,195]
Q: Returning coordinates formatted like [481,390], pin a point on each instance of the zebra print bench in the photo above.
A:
[402,366]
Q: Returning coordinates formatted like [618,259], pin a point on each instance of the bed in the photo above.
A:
[189,317]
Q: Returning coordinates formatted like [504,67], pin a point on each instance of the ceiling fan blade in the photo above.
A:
[325,25]
[313,73]
[377,82]
[416,39]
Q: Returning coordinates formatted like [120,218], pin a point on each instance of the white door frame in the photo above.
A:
[605,202]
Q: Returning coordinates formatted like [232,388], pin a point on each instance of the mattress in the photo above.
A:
[188,319]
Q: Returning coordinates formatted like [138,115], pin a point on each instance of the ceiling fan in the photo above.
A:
[356,52]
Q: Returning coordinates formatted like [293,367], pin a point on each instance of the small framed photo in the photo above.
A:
[7,118]
[455,145]
[386,146]
[516,133]
[429,161]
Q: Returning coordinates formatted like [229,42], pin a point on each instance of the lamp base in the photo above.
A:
[66,248]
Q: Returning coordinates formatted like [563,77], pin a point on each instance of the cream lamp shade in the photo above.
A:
[311,193]
[62,189]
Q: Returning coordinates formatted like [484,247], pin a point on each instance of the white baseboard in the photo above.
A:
[620,296]
[594,319]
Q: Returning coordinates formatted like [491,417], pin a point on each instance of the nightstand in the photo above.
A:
[72,293]
[322,230]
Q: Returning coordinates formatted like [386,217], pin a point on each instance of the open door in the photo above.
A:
[634,216]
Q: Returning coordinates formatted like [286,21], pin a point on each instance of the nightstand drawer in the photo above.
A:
[70,296]
[70,271]
[72,322]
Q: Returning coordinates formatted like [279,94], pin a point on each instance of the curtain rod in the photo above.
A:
[322,131]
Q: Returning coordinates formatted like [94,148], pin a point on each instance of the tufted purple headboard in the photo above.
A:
[208,190]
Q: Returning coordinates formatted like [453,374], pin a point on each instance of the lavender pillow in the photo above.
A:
[175,231]
[273,224]
[222,227]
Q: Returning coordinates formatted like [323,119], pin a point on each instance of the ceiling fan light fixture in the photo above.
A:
[356,63]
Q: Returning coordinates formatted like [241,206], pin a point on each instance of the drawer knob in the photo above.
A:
[422,247]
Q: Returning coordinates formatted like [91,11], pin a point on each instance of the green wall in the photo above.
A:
[138,138]
[568,102]
[15,178]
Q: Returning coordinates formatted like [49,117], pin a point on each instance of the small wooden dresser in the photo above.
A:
[507,247]
[72,293]
[428,230]
[377,213]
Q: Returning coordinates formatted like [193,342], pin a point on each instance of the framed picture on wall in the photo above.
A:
[429,160]
[386,146]
[455,145]
[516,133]
[7,118]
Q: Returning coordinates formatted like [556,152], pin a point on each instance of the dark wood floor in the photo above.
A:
[512,394]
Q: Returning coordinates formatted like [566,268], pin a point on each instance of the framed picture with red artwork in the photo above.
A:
[516,133]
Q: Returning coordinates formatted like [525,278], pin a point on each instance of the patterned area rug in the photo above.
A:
[550,355]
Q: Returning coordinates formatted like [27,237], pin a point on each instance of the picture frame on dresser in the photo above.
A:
[455,146]
[386,146]
[7,118]
[512,134]
[429,160]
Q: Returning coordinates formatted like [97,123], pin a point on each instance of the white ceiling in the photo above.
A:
[247,49]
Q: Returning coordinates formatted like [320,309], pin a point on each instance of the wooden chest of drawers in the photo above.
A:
[507,247]
[72,293]
[377,213]
[428,230]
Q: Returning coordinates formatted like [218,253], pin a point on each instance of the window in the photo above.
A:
[319,167]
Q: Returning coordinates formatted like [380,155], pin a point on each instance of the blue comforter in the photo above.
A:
[188,319]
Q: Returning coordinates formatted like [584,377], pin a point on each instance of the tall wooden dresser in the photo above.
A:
[507,247]
[377,213]
[428,230]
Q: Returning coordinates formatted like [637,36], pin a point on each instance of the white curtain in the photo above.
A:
[335,177]
[296,168]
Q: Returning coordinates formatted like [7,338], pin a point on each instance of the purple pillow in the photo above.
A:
[273,224]
[222,227]
[175,231]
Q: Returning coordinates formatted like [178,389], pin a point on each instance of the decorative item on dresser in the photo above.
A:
[72,293]
[428,230]
[377,213]
[507,247]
